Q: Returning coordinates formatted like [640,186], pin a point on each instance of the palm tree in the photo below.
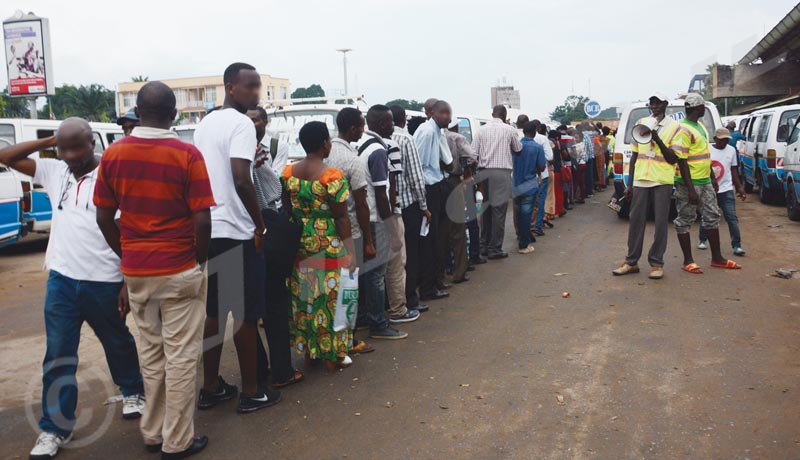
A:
[139,79]
[93,102]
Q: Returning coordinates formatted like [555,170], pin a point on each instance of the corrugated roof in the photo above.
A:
[785,36]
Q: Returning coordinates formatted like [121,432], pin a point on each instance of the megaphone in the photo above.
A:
[643,132]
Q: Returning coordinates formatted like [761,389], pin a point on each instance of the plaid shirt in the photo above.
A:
[494,143]
[410,184]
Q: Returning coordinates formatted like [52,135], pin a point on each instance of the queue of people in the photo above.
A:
[183,236]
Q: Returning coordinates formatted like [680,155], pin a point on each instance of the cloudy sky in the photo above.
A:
[414,49]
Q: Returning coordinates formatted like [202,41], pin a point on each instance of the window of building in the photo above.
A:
[283,92]
[128,100]
[181,98]
[270,93]
[211,95]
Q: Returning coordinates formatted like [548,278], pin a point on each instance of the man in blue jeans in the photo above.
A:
[85,283]
[724,163]
[528,163]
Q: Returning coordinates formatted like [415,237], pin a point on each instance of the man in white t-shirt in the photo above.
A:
[84,284]
[724,163]
[237,269]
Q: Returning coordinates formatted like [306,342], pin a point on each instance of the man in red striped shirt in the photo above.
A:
[161,186]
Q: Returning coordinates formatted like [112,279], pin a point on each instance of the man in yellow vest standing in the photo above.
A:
[696,187]
[651,178]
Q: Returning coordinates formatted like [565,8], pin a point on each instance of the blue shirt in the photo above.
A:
[735,137]
[429,139]
[526,168]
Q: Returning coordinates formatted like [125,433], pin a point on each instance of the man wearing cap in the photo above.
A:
[723,163]
[652,173]
[696,187]
[128,121]
[463,157]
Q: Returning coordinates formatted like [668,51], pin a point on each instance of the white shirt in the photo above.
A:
[542,140]
[375,159]
[221,136]
[723,162]
[77,248]
[281,157]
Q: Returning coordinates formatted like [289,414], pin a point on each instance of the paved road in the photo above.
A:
[625,368]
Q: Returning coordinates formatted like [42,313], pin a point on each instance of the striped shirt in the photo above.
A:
[158,182]
[494,143]
[267,183]
[410,184]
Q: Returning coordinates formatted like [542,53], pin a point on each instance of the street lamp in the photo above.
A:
[344,52]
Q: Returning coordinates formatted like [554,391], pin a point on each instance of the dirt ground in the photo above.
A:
[689,367]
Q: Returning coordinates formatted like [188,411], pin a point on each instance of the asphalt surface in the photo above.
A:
[689,367]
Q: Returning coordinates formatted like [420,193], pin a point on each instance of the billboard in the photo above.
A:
[28,57]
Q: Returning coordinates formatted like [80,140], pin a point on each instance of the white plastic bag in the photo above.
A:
[347,301]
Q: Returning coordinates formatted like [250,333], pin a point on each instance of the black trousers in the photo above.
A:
[412,220]
[432,255]
[276,327]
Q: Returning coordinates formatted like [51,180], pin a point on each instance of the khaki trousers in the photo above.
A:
[396,277]
[169,312]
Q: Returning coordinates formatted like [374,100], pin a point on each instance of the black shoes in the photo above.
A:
[199,443]
[435,295]
[499,255]
[478,261]
[207,399]
[462,280]
[268,397]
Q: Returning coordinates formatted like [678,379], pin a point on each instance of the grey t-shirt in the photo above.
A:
[343,156]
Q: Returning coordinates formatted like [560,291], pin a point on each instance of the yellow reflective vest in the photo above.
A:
[650,162]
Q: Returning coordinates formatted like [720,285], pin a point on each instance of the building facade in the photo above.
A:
[195,96]
[505,95]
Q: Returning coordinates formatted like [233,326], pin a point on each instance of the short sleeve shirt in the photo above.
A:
[375,159]
[224,135]
[344,157]
[723,162]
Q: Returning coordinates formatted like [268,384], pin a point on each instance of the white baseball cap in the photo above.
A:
[694,100]
[660,95]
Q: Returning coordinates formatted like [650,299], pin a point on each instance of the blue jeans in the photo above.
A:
[68,303]
[523,208]
[727,203]
[372,283]
[541,198]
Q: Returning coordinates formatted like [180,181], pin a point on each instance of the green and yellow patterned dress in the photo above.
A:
[314,283]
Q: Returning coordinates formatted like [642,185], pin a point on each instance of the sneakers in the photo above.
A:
[625,269]
[389,333]
[411,315]
[526,250]
[702,245]
[132,406]
[656,273]
[207,400]
[247,404]
[739,251]
[47,445]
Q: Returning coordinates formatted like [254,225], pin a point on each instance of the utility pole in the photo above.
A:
[344,52]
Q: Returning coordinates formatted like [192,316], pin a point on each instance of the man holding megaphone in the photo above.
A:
[652,169]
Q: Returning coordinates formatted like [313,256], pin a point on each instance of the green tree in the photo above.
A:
[139,79]
[13,107]
[314,90]
[93,102]
[407,104]
[571,110]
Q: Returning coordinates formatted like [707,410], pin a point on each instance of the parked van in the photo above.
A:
[762,152]
[36,210]
[622,151]
[791,173]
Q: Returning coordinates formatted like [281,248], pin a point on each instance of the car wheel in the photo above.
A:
[792,204]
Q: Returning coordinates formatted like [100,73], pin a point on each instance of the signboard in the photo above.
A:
[592,109]
[28,57]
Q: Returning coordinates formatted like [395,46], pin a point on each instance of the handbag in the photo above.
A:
[282,241]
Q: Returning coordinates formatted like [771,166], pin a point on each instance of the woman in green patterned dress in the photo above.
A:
[316,196]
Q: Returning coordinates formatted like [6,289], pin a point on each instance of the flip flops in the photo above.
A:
[692,268]
[728,265]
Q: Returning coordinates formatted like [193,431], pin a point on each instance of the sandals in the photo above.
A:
[548,224]
[728,265]
[362,347]
[297,377]
[692,268]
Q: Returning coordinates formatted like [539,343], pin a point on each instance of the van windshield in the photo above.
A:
[676,112]
[285,125]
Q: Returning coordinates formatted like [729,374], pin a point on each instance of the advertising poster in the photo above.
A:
[28,57]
